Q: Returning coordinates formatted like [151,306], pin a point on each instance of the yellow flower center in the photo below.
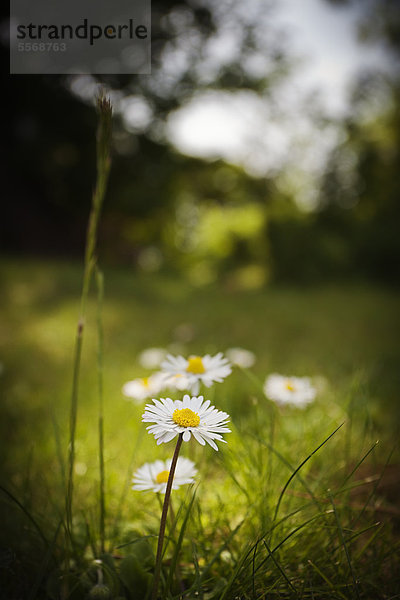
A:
[145,382]
[195,365]
[162,477]
[289,386]
[186,417]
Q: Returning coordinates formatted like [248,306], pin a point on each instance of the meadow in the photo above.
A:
[285,509]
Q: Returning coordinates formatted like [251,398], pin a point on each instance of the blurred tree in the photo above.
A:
[50,167]
[354,230]
[380,21]
[164,206]
[360,197]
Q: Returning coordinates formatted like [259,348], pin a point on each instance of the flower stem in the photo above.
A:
[157,571]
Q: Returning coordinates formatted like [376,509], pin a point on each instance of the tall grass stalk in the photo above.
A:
[100,296]
[103,168]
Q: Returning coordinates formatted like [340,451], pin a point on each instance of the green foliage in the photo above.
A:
[359,199]
[232,545]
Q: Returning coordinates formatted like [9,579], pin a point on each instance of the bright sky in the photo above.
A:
[327,37]
[243,128]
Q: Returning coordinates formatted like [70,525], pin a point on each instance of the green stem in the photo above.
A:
[103,168]
[72,425]
[100,295]
[157,571]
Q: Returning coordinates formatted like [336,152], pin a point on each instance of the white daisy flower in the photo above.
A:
[190,416]
[206,369]
[151,358]
[289,390]
[154,476]
[241,357]
[175,382]
[142,388]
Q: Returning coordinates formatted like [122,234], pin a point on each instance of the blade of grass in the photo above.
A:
[42,569]
[369,541]
[248,552]
[353,390]
[231,472]
[90,538]
[354,536]
[174,560]
[345,548]
[298,469]
[238,568]
[373,491]
[199,521]
[208,566]
[26,513]
[318,504]
[272,414]
[291,468]
[349,476]
[282,520]
[293,532]
[59,450]
[197,581]
[281,570]
[326,579]
[354,486]
[253,572]
[271,588]
[144,537]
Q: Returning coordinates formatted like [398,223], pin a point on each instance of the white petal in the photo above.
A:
[212,444]
[198,437]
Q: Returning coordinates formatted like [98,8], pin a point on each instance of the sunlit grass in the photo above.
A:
[347,336]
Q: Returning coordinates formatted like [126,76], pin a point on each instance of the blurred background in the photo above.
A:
[263,148]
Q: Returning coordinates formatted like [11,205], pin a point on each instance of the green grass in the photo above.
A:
[335,532]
